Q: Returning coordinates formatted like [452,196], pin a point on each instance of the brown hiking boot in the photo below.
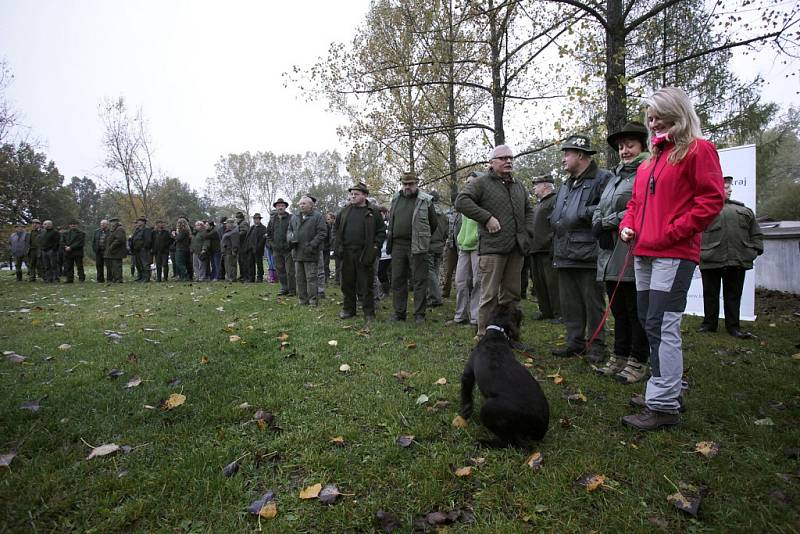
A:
[614,365]
[651,420]
[637,401]
[633,372]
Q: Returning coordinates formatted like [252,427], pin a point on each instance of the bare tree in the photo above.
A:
[128,151]
[235,182]
[8,117]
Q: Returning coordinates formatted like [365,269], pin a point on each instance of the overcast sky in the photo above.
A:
[206,73]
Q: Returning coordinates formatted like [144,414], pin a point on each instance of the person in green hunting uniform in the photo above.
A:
[73,241]
[116,250]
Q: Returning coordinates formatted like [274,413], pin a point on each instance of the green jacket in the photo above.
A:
[467,235]
[542,241]
[421,225]
[307,235]
[374,233]
[609,213]
[734,239]
[276,232]
[116,243]
[439,236]
[200,242]
[488,196]
[75,240]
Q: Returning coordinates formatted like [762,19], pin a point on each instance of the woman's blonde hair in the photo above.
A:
[672,104]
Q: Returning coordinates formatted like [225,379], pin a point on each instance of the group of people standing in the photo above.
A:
[630,236]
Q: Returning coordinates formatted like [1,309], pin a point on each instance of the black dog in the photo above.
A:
[515,409]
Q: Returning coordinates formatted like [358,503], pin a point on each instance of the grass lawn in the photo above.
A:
[744,395]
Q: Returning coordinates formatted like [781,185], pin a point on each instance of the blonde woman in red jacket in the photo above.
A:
[677,193]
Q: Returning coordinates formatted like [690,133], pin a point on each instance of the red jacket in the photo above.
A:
[669,220]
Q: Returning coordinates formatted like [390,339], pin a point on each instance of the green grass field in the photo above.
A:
[744,395]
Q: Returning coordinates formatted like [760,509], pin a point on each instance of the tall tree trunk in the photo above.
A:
[495,47]
[616,103]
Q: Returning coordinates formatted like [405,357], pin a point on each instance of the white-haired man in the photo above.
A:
[500,205]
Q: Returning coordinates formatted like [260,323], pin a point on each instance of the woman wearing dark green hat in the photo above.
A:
[628,364]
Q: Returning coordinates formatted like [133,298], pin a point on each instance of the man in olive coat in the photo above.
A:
[575,249]
[35,263]
[51,240]
[245,253]
[499,203]
[412,221]
[359,232]
[307,231]
[73,241]
[142,249]
[545,278]
[162,241]
[115,251]
[436,252]
[277,229]
[255,241]
[99,241]
[728,249]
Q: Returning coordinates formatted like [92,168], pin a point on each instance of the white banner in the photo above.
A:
[739,162]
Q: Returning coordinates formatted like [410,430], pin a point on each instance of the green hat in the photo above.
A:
[578,142]
[633,130]
[409,177]
[543,179]
[359,186]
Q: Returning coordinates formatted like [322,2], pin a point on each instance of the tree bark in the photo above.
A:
[616,102]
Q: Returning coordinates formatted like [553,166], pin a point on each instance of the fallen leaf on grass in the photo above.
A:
[438,405]
[411,345]
[344,368]
[459,422]
[31,405]
[535,460]
[13,357]
[231,469]
[441,382]
[6,459]
[173,401]
[329,494]
[265,506]
[64,346]
[133,382]
[58,325]
[764,422]
[103,450]
[388,522]
[333,343]
[557,378]
[479,461]
[338,441]
[422,399]
[591,482]
[204,360]
[244,406]
[402,375]
[709,449]
[463,471]
[577,397]
[405,441]
[234,338]
[311,492]
[796,356]
[115,373]
[283,336]
[685,503]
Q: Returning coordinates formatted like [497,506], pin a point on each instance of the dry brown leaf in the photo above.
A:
[311,492]
[479,461]
[557,378]
[459,422]
[411,344]
[441,382]
[338,441]
[133,382]
[535,460]
[204,360]
[402,375]
[709,449]
[577,397]
[6,459]
[269,510]
[234,338]
[103,450]
[463,471]
[174,400]
[329,494]
[592,482]
[283,337]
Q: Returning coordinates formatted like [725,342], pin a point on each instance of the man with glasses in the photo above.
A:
[500,205]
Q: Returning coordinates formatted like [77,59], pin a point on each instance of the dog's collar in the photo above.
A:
[499,329]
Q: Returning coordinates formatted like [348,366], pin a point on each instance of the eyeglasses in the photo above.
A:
[505,158]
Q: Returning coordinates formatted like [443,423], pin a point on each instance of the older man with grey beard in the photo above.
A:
[500,205]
